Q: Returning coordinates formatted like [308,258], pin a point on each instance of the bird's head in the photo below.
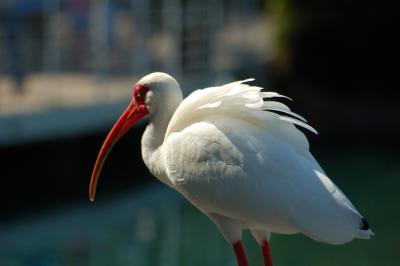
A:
[158,92]
[154,93]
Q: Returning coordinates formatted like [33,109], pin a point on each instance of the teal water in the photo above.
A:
[157,227]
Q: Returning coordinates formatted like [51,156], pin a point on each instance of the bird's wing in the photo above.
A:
[243,102]
[237,169]
[228,152]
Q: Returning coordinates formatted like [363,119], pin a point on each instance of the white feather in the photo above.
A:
[248,168]
[280,107]
[297,122]
[235,99]
[229,170]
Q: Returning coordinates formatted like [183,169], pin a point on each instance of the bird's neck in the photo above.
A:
[152,141]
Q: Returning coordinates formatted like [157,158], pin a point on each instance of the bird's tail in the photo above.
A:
[365,231]
[365,234]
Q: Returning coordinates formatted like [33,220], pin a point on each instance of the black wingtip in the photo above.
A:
[364,224]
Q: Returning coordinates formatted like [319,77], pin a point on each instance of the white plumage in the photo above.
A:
[230,158]
[228,152]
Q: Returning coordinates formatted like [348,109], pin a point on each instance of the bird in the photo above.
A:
[238,155]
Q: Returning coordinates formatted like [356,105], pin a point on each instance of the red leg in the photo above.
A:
[266,253]
[240,255]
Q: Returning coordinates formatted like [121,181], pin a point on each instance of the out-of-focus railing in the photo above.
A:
[69,54]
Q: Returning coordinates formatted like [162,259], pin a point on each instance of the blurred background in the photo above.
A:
[67,68]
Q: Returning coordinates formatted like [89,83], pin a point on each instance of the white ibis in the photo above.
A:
[239,159]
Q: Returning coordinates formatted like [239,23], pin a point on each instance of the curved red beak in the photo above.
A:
[130,116]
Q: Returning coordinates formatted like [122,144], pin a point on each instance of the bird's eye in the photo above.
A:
[139,93]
